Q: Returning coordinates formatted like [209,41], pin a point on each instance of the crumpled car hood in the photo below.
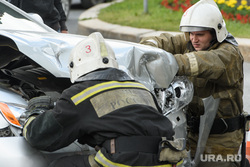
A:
[50,50]
[151,66]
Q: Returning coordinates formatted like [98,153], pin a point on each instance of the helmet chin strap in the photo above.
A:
[214,39]
[213,42]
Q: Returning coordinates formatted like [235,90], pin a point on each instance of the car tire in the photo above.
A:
[89,3]
[66,6]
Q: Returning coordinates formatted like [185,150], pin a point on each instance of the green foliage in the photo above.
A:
[131,13]
[238,29]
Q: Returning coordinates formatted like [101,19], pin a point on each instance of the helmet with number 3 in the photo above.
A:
[89,55]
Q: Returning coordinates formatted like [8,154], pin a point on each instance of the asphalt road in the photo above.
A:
[72,24]
[75,12]
[247,87]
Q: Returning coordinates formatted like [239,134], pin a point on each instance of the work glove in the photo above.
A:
[172,150]
[40,103]
[37,106]
[29,91]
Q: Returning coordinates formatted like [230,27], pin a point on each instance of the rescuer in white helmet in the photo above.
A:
[105,109]
[210,57]
[90,55]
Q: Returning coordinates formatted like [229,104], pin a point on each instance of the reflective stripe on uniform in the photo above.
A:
[152,41]
[101,159]
[193,64]
[27,124]
[78,98]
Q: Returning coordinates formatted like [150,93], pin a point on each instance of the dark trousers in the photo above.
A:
[71,161]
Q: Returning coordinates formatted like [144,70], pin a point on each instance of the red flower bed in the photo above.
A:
[183,5]
[176,4]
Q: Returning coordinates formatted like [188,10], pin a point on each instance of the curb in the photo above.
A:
[89,23]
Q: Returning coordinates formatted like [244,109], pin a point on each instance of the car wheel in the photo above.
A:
[90,3]
[66,6]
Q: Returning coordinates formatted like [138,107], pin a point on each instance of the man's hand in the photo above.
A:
[64,31]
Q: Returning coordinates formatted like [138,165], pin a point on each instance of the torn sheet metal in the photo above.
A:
[206,121]
[153,67]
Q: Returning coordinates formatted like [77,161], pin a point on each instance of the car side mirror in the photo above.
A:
[36,17]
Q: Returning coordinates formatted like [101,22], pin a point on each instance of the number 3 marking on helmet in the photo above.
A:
[88,49]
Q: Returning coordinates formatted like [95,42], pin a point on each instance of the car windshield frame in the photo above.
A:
[13,18]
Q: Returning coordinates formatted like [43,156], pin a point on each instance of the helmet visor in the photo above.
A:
[193,28]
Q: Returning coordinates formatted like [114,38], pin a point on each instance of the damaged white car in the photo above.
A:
[34,60]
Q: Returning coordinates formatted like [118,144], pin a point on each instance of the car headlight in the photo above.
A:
[177,96]
[12,113]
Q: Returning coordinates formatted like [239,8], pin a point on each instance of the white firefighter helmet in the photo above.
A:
[204,15]
[91,54]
